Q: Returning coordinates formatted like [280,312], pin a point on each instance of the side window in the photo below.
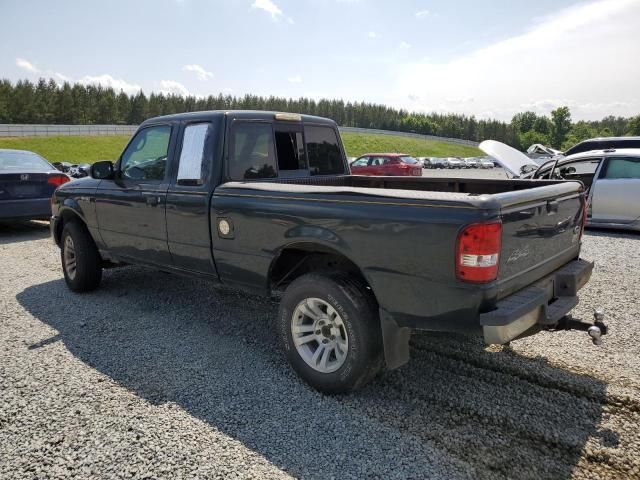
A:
[193,167]
[146,156]
[375,161]
[623,167]
[323,147]
[361,162]
[251,151]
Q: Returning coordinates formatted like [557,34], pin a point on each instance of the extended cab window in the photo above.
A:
[623,167]
[146,156]
[323,147]
[251,151]
[193,165]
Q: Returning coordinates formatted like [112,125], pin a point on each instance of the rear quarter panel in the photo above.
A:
[405,249]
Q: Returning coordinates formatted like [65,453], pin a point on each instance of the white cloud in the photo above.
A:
[422,13]
[295,79]
[200,72]
[405,45]
[107,80]
[269,7]
[26,65]
[171,87]
[62,77]
[372,35]
[579,56]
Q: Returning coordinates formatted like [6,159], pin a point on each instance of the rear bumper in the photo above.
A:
[541,305]
[25,209]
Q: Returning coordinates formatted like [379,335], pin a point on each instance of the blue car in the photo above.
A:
[27,182]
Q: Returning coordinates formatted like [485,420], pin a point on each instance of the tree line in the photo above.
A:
[47,102]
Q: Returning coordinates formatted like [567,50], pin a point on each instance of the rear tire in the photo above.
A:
[330,331]
[81,262]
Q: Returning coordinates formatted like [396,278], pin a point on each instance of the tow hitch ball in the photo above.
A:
[595,330]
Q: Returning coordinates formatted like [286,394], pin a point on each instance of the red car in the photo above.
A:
[396,164]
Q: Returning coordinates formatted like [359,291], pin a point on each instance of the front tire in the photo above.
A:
[81,262]
[330,331]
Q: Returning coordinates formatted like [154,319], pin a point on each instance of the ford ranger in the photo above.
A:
[265,202]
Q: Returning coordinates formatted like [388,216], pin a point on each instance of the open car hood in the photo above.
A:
[512,160]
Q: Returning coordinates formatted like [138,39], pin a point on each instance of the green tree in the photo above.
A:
[633,126]
[524,121]
[560,126]
[579,132]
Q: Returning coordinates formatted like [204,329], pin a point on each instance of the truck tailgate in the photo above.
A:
[541,229]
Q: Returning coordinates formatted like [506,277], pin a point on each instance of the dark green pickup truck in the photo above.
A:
[265,202]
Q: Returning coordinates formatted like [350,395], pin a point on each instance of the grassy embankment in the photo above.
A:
[92,148]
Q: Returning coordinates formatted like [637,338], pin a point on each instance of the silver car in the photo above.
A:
[455,162]
[471,162]
[611,176]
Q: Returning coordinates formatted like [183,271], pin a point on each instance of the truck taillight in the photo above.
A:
[478,252]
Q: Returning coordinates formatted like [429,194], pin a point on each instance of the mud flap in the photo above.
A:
[395,340]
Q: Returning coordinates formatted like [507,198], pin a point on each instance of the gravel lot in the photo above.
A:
[155,375]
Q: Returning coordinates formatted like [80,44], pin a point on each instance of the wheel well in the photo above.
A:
[295,262]
[65,217]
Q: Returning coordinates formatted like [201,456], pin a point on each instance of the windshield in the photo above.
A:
[18,161]
[409,160]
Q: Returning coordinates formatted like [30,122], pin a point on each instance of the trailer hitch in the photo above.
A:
[595,330]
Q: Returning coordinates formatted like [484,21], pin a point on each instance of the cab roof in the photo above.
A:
[243,114]
[385,155]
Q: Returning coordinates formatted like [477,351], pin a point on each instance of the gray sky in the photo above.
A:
[486,58]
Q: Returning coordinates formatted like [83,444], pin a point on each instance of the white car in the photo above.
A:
[611,176]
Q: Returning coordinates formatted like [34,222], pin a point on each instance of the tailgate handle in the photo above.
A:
[552,206]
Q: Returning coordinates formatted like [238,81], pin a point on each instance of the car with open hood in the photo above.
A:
[611,177]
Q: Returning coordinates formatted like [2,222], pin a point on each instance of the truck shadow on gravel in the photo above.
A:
[455,410]
[13,232]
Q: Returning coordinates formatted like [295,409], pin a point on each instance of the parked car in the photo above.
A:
[27,182]
[264,202]
[454,162]
[437,162]
[603,143]
[425,161]
[387,164]
[471,162]
[486,163]
[611,177]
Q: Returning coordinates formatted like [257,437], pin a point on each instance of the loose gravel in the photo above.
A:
[159,376]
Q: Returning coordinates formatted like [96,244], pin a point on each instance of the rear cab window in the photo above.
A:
[323,148]
[251,151]
[263,150]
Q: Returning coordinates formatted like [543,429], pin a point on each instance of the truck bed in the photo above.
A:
[415,222]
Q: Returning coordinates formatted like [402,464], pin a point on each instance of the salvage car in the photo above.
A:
[389,164]
[610,176]
[264,202]
[27,182]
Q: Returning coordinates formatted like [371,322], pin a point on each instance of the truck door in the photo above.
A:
[130,209]
[615,196]
[188,197]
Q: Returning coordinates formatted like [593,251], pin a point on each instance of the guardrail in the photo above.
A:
[27,130]
[458,141]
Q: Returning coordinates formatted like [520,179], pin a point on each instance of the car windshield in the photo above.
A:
[409,160]
[18,161]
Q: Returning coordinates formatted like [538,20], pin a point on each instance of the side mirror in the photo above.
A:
[102,170]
